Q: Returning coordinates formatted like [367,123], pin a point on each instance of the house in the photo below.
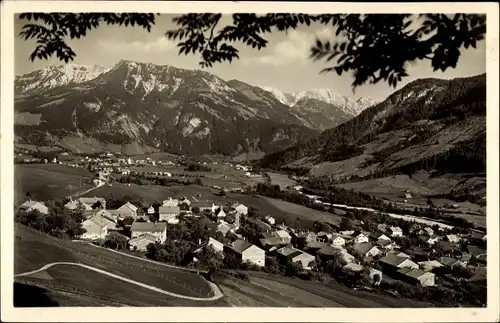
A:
[408,196]
[476,251]
[91,201]
[396,231]
[402,254]
[453,238]
[382,227]
[169,214]
[141,243]
[220,214]
[240,208]
[328,252]
[428,240]
[429,265]
[361,238]
[224,227]
[338,241]
[77,204]
[352,267]
[204,206]
[158,229]
[184,200]
[112,214]
[30,206]
[170,202]
[270,243]
[427,231]
[97,227]
[295,255]
[367,249]
[392,263]
[128,210]
[151,210]
[324,236]
[104,213]
[417,276]
[284,236]
[392,246]
[465,257]
[314,246]
[211,242]
[452,262]
[382,237]
[270,220]
[247,252]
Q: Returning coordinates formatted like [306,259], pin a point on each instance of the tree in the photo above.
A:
[195,209]
[210,259]
[345,224]
[375,47]
[115,240]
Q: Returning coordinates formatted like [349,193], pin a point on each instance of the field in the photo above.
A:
[34,250]
[282,180]
[49,181]
[263,290]
[296,215]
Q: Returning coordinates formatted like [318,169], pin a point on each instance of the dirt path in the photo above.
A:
[130,281]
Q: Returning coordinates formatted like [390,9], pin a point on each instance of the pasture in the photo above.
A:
[267,290]
[49,181]
[34,250]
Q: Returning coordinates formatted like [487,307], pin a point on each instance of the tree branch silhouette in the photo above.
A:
[374,47]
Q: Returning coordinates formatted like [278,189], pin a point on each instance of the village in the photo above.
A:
[417,254]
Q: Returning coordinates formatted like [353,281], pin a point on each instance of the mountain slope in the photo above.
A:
[176,110]
[430,124]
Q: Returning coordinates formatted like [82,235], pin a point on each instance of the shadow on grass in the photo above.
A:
[32,296]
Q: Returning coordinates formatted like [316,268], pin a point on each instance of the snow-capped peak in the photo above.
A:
[351,106]
[57,75]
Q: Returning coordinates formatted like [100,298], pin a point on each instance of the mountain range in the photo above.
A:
[430,126]
[154,107]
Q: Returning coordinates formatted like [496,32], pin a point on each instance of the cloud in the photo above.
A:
[295,49]
[160,44]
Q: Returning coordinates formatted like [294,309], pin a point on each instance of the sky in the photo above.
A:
[283,64]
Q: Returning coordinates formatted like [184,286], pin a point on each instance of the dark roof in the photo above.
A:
[148,226]
[392,260]
[363,247]
[475,250]
[240,245]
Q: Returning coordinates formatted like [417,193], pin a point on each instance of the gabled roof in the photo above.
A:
[282,234]
[130,206]
[240,245]
[169,209]
[392,260]
[270,241]
[145,236]
[328,250]
[289,252]
[91,200]
[364,248]
[148,226]
[413,273]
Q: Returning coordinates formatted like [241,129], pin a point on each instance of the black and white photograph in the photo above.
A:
[219,156]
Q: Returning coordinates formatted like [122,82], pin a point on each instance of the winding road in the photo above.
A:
[218,293]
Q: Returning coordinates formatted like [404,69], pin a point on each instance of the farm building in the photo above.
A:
[169,214]
[247,252]
[158,229]
[30,206]
[429,265]
[141,242]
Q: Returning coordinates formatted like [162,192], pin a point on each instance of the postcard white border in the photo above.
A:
[201,314]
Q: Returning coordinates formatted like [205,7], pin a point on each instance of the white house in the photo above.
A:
[361,238]
[452,238]
[240,208]
[30,206]
[158,229]
[396,231]
[151,210]
[284,236]
[169,213]
[171,202]
[248,252]
[217,245]
[96,228]
[338,241]
[221,214]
